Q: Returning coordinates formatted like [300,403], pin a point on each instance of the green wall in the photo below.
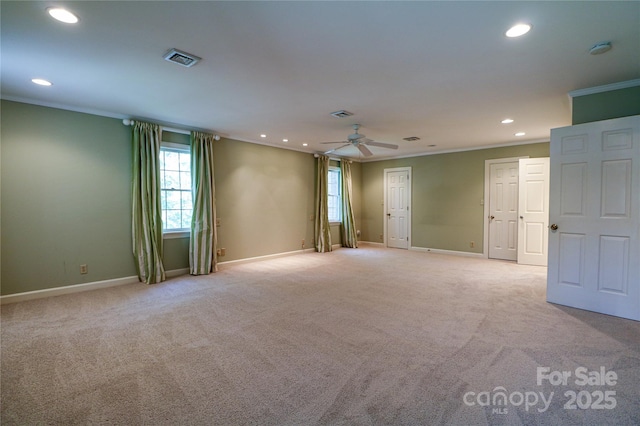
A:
[264,199]
[606,105]
[66,199]
[446,196]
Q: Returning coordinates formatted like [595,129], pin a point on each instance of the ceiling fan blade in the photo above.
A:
[334,142]
[383,145]
[364,150]
[335,149]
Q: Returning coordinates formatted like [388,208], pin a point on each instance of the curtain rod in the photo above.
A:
[335,158]
[128,122]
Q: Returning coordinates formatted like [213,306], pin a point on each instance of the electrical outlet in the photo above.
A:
[223,251]
[84,269]
[302,243]
[219,252]
[381,237]
[218,221]
[472,244]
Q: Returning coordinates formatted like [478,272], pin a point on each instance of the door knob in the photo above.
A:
[388,214]
[491,217]
[554,227]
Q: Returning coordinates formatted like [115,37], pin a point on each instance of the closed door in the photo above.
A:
[594,240]
[533,211]
[397,208]
[503,211]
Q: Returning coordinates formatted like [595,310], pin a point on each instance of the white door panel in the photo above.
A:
[533,211]
[397,202]
[503,210]
[594,255]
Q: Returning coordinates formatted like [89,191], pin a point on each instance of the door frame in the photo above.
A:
[384,203]
[486,201]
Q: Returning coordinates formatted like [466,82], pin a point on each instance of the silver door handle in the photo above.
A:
[554,227]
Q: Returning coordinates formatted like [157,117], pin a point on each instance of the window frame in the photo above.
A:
[175,232]
[337,171]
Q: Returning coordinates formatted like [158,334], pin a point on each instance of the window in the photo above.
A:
[333,193]
[175,187]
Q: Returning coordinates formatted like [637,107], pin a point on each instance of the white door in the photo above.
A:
[397,202]
[533,211]
[594,240]
[503,210]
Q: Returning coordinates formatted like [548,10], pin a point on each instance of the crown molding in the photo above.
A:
[604,88]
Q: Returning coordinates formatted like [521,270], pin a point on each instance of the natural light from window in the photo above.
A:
[175,185]
[333,194]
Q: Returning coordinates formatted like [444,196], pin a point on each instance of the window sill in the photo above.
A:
[168,235]
[335,223]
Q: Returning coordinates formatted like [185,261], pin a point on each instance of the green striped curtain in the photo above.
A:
[203,241]
[322,230]
[146,224]
[348,228]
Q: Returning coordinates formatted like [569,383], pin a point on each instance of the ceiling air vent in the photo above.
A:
[341,114]
[181,58]
[411,138]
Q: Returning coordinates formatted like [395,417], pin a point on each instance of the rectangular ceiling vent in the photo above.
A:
[181,58]
[411,138]
[342,113]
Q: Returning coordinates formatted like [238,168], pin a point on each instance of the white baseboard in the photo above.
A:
[371,243]
[176,272]
[77,288]
[265,257]
[58,291]
[450,252]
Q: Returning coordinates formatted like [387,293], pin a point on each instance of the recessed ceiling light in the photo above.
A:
[520,134]
[507,121]
[285,140]
[263,136]
[518,30]
[41,82]
[431,146]
[305,144]
[62,15]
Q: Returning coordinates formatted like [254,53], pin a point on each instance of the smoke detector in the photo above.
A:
[411,138]
[599,48]
[181,58]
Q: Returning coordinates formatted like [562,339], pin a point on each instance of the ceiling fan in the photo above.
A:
[360,141]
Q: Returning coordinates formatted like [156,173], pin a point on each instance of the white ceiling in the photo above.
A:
[442,71]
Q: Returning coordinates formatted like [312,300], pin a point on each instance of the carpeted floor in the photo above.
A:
[367,336]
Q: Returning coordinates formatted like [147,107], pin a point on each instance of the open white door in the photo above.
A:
[594,240]
[533,211]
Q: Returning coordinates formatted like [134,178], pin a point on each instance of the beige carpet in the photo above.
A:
[366,336]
